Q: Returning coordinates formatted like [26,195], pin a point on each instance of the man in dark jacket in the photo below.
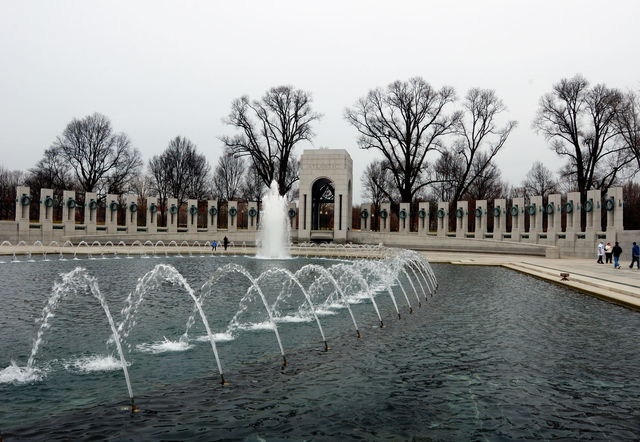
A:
[617,251]
[635,255]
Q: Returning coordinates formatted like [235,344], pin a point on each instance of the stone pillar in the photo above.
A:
[365,217]
[69,212]
[404,224]
[232,216]
[23,203]
[499,218]
[442,217]
[292,219]
[536,215]
[614,205]
[131,220]
[304,215]
[517,218]
[152,214]
[172,215]
[593,210]
[573,212]
[462,219]
[90,212]
[252,213]
[554,214]
[384,217]
[481,218]
[212,216]
[46,213]
[111,213]
[192,216]
[423,218]
[342,209]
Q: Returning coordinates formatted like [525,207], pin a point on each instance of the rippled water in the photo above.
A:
[494,355]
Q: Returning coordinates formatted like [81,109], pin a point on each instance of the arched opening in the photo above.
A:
[322,204]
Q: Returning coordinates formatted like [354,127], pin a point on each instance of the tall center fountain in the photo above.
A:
[274,235]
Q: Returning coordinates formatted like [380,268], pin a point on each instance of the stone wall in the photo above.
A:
[535,226]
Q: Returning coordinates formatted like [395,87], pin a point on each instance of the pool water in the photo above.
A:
[493,355]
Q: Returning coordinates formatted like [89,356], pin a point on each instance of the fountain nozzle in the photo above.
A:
[222,381]
[411,310]
[381,324]
[358,334]
[326,346]
[134,409]
[399,317]
[284,361]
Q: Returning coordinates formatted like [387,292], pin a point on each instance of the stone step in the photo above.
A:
[609,291]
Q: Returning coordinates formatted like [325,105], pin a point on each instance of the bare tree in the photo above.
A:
[449,170]
[628,121]
[377,187]
[488,184]
[9,179]
[477,133]
[271,128]
[539,181]
[50,172]
[405,122]
[102,160]
[142,186]
[228,175]
[253,187]
[580,121]
[180,172]
[377,183]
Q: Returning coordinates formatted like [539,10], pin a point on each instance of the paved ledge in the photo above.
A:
[585,275]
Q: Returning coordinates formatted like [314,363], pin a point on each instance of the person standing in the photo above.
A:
[635,255]
[617,251]
[600,252]
[608,253]
[214,245]
[225,242]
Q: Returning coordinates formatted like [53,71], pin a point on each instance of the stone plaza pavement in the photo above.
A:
[585,275]
[621,286]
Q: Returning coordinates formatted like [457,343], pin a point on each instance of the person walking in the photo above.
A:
[617,251]
[214,245]
[225,242]
[608,253]
[600,252]
[635,255]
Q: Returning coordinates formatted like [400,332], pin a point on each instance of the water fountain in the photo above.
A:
[124,246]
[175,244]
[115,251]
[159,243]
[4,244]
[42,250]
[87,247]
[233,301]
[67,243]
[149,244]
[274,233]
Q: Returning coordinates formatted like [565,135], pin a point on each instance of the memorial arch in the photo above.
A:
[325,195]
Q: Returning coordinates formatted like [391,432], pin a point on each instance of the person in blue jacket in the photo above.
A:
[635,255]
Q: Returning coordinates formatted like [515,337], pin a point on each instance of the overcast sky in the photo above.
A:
[160,69]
